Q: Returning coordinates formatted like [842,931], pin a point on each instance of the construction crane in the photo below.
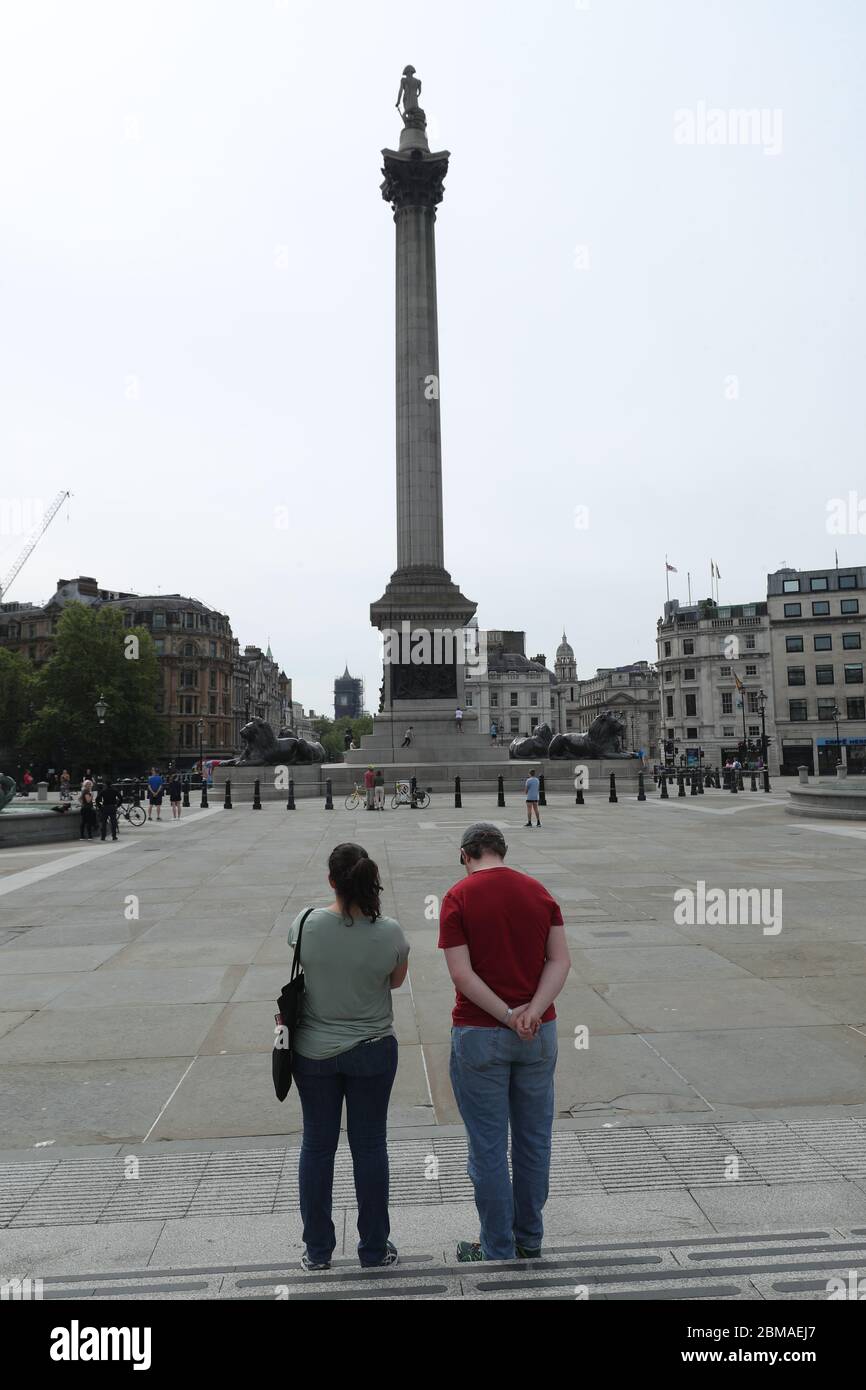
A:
[33,542]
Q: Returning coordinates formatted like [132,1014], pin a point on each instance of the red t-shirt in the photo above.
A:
[504,917]
[369,779]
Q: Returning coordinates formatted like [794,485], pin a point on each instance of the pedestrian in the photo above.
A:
[345,1049]
[107,802]
[175,793]
[65,786]
[155,785]
[505,948]
[494,732]
[369,785]
[347,740]
[458,719]
[407,737]
[379,789]
[27,781]
[532,787]
[87,819]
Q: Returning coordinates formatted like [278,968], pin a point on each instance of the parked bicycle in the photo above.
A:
[357,797]
[403,796]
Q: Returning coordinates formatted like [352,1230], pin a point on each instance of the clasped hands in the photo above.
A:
[525,1022]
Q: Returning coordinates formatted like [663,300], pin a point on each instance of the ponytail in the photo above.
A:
[356,879]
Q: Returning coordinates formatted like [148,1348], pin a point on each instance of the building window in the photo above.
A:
[669,675]
[512,697]
[724,670]
[793,644]
[752,706]
[212,705]
[533,723]
[691,704]
[754,730]
[667,648]
[213,649]
[820,608]
[669,706]
[533,697]
[688,647]
[691,733]
[854,675]
[158,619]
[515,723]
[751,670]
[825,709]
[797,709]
[727,731]
[189,649]
[796,675]
[856,707]
[494,699]
[790,586]
[849,605]
[824,675]
[212,680]
[851,641]
[727,702]
[750,642]
[159,645]
[847,581]
[823,642]
[793,610]
[819,585]
[188,679]
[469,699]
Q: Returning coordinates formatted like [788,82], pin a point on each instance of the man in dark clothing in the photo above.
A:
[107,802]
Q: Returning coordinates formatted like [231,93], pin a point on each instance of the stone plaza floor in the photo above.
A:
[137,989]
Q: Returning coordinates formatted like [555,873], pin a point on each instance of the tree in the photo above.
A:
[95,655]
[332,734]
[16,683]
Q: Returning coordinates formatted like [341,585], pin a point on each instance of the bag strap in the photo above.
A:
[296,958]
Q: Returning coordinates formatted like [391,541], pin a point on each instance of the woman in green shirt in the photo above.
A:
[345,1049]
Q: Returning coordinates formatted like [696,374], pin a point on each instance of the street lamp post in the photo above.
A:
[837,715]
[101,711]
[201,763]
[763,704]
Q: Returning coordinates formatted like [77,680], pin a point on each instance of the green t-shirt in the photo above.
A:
[347,968]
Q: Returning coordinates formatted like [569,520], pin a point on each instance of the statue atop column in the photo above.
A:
[410,90]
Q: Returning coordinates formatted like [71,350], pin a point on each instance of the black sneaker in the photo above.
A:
[469,1252]
[528,825]
[523,1252]
[391,1257]
[312,1266]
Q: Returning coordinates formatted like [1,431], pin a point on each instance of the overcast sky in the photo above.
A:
[197,271]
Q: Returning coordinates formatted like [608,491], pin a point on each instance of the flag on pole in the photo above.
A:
[718,576]
[672,568]
[738,682]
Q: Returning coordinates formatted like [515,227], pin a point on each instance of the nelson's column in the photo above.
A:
[420,597]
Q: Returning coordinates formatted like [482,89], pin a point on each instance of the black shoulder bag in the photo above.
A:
[287,1020]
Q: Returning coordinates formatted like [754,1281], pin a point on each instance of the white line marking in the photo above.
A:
[690,1084]
[170,1099]
[421,1045]
[831,830]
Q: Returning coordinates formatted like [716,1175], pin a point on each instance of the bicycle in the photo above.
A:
[403,797]
[132,813]
[357,797]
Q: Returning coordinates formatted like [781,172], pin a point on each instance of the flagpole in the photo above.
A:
[667,579]
[689,583]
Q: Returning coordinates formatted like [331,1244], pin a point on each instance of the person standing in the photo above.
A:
[107,802]
[347,740]
[494,732]
[65,786]
[458,719]
[532,787]
[87,818]
[175,794]
[27,781]
[345,1049]
[155,785]
[369,785]
[505,948]
[379,790]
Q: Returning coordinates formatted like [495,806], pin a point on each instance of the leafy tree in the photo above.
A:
[96,655]
[332,734]
[16,683]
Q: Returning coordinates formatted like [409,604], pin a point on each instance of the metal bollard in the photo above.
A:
[613,796]
[663,789]
[413,792]
[693,783]
[733,784]
[458,799]
[186,791]
[766,779]
[700,785]
[204,793]
[754,786]
[500,793]
[740,786]
[641,794]
[681,785]
[578,797]
[257,798]
[542,798]
[329,800]
[290,804]
[718,782]
[227,802]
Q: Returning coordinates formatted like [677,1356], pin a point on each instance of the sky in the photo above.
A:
[651,316]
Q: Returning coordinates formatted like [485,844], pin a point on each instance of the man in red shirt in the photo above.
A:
[504,943]
[369,784]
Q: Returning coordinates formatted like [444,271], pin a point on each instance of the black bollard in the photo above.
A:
[578,797]
[204,793]
[766,779]
[754,786]
[458,799]
[700,785]
[227,802]
[681,785]
[186,791]
[718,782]
[693,783]
[663,788]
[500,794]
[740,785]
[542,799]
[727,778]
[413,792]
[329,800]
[257,798]
[708,780]
[613,796]
[733,785]
[290,804]
[641,794]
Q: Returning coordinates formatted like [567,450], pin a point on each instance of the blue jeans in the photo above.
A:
[499,1080]
[363,1076]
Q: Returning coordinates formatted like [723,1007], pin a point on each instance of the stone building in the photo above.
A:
[818,633]
[508,688]
[260,689]
[715,673]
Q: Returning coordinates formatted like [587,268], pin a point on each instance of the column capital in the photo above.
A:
[413,178]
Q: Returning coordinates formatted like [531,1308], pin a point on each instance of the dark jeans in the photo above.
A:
[363,1076]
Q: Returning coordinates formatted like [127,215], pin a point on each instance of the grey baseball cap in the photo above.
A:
[479,828]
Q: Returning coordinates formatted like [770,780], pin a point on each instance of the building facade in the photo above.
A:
[715,675]
[507,689]
[818,634]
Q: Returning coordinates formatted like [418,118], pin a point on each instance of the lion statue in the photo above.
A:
[605,738]
[261,747]
[535,746]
